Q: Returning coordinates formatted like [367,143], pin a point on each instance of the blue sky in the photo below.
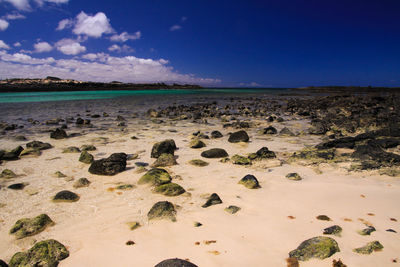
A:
[214,43]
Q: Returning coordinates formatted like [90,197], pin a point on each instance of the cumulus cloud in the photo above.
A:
[3,45]
[96,67]
[3,24]
[14,16]
[123,37]
[70,47]
[42,47]
[175,28]
[92,26]
[20,4]
[17,44]
[117,48]
[65,23]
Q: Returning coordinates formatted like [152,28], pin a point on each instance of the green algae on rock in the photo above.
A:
[294,176]
[88,148]
[198,163]
[367,231]
[250,181]
[81,182]
[165,160]
[86,157]
[232,209]
[65,196]
[59,174]
[71,149]
[155,176]
[319,247]
[7,174]
[30,226]
[125,187]
[196,143]
[45,253]
[323,218]
[167,146]
[133,225]
[34,152]
[214,199]
[162,210]
[240,160]
[170,189]
[369,248]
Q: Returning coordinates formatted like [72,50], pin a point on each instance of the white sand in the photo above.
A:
[261,234]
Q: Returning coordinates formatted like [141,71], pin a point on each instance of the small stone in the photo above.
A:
[196,143]
[175,263]
[44,253]
[58,134]
[18,186]
[125,187]
[320,247]
[240,136]
[215,153]
[133,156]
[338,263]
[323,218]
[265,153]
[30,226]
[333,230]
[71,149]
[250,181]
[30,152]
[3,264]
[167,146]
[197,224]
[232,209]
[391,231]
[162,210]
[81,182]
[240,160]
[155,176]
[38,145]
[7,174]
[86,157]
[286,132]
[130,243]
[270,130]
[165,160]
[59,174]
[367,231]
[214,199]
[216,134]
[198,163]
[170,189]
[369,248]
[292,262]
[88,148]
[133,225]
[294,176]
[65,196]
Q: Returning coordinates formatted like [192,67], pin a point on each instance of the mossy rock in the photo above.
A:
[162,210]
[155,177]
[165,160]
[198,163]
[367,231]
[30,226]
[65,196]
[333,230]
[7,174]
[250,181]
[59,174]
[319,247]
[263,153]
[390,172]
[34,152]
[86,157]
[316,156]
[175,263]
[196,143]
[232,209]
[215,153]
[88,148]
[214,199]
[38,145]
[338,263]
[125,187]
[71,149]
[240,160]
[3,264]
[170,189]
[167,146]
[286,132]
[133,225]
[369,248]
[81,182]
[294,176]
[46,253]
[323,218]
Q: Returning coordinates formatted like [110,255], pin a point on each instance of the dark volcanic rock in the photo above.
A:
[3,264]
[155,176]
[13,154]
[250,181]
[372,156]
[38,145]
[46,253]
[240,136]
[167,146]
[175,263]
[82,182]
[333,230]
[162,210]
[30,226]
[18,186]
[214,153]
[270,130]
[367,231]
[212,200]
[65,196]
[112,165]
[265,153]
[216,134]
[320,247]
[58,134]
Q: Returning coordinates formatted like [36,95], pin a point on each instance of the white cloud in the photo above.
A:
[17,44]
[3,24]
[41,2]
[175,28]
[3,45]
[92,26]
[70,47]
[65,23]
[20,4]
[119,49]
[100,67]
[42,47]
[14,16]
[123,37]
[114,48]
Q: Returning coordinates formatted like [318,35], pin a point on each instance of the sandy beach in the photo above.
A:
[272,221]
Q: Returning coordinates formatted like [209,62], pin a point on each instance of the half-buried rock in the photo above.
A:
[240,160]
[240,136]
[38,145]
[58,134]
[165,160]
[319,247]
[175,263]
[162,210]
[214,153]
[198,163]
[65,196]
[167,146]
[293,176]
[155,176]
[86,157]
[170,189]
[196,143]
[214,199]
[3,264]
[250,181]
[369,248]
[30,226]
[82,182]
[112,165]
[46,253]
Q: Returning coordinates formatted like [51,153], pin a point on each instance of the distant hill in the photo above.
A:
[54,84]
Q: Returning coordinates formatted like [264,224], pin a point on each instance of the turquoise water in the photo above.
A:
[107,94]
